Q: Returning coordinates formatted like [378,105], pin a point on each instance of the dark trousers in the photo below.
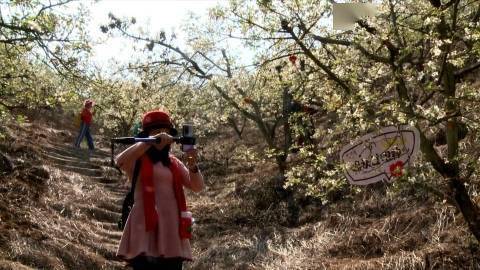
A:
[151,263]
[85,132]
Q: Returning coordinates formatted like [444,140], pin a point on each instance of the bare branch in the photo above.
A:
[459,74]
[445,118]
[426,144]
[255,38]
[455,15]
[52,5]
[11,107]
[367,27]
[393,19]
[447,48]
[252,22]
[233,103]
[309,53]
[427,98]
[18,28]
[370,55]
[32,39]
[273,59]
[199,71]
[211,61]
[476,17]
[229,71]
[387,43]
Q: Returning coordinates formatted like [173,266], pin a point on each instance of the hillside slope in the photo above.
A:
[59,208]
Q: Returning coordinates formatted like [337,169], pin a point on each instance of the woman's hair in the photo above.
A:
[156,155]
[88,103]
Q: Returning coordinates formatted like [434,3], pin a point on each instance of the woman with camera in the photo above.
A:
[158,228]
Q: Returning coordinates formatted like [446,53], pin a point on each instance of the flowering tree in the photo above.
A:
[42,46]
[411,64]
[258,95]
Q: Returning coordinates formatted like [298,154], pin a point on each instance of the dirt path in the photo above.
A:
[103,213]
[72,202]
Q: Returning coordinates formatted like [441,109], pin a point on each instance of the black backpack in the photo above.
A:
[129,198]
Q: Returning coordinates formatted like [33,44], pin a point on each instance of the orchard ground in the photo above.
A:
[59,208]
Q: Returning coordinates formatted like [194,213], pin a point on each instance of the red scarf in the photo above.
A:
[146,176]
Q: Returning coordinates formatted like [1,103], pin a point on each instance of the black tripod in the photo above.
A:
[131,140]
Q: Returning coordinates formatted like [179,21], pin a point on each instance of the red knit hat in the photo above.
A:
[156,119]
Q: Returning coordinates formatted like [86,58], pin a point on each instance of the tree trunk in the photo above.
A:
[286,194]
[235,127]
[468,208]
[457,187]
[287,100]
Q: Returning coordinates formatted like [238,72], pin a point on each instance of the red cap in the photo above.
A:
[156,119]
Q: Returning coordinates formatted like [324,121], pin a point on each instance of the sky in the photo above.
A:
[156,15]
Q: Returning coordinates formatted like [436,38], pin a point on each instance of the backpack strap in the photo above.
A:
[129,198]
[136,171]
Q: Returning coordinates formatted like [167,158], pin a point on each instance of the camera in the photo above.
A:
[187,139]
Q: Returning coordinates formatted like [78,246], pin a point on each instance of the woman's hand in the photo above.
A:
[191,158]
[165,139]
[197,183]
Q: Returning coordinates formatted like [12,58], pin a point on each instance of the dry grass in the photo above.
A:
[240,227]
[58,211]
[51,222]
